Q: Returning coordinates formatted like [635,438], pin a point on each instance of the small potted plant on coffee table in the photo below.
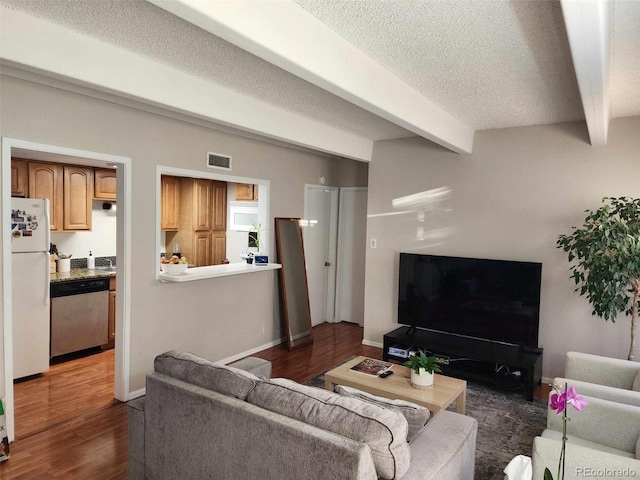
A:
[422,369]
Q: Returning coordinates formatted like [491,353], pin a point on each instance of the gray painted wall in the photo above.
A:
[510,199]
[215,318]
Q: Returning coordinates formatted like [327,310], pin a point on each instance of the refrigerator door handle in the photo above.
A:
[47,272]
[47,222]
[47,280]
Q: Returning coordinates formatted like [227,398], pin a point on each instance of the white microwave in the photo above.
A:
[241,216]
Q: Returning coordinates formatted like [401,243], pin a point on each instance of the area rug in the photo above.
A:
[507,425]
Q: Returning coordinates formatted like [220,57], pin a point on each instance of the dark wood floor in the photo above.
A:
[68,390]
[93,443]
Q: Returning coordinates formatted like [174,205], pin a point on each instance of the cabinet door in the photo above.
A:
[170,203]
[45,181]
[219,248]
[19,178]
[202,249]
[78,194]
[219,206]
[243,191]
[104,184]
[203,200]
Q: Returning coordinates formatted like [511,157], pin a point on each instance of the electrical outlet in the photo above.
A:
[442,359]
[373,243]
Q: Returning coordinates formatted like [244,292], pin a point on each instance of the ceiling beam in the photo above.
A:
[284,34]
[590,31]
[35,45]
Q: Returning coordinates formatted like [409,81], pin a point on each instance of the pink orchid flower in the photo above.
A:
[578,401]
[558,402]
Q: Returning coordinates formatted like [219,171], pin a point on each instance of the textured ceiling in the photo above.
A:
[143,28]
[625,71]
[489,63]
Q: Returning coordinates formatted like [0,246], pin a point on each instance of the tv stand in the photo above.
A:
[468,357]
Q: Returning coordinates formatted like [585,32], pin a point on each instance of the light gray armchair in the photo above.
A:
[602,437]
[602,377]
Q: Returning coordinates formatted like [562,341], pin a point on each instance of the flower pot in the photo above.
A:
[421,380]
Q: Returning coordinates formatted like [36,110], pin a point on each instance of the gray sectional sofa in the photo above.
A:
[202,420]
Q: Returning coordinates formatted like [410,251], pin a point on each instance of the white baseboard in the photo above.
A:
[136,394]
[369,343]
[233,358]
[547,380]
[246,353]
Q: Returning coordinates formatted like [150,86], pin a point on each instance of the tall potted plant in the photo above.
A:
[607,253]
[422,369]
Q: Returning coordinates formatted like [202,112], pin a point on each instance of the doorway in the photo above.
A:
[352,247]
[320,229]
[50,153]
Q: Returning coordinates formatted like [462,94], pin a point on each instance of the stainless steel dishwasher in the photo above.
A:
[79,315]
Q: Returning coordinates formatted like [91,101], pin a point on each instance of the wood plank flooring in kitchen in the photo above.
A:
[94,446]
[68,390]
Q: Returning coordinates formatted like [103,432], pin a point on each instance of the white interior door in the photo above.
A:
[352,247]
[319,230]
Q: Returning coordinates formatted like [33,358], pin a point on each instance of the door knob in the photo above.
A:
[327,264]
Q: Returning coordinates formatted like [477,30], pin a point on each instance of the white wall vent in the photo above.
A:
[218,160]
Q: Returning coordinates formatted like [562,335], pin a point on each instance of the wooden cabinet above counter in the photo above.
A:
[77,194]
[104,184]
[19,178]
[69,189]
[170,203]
[46,181]
[245,192]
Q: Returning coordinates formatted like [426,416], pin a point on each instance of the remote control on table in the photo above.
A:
[385,374]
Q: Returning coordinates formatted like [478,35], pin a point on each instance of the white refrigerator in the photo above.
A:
[30,285]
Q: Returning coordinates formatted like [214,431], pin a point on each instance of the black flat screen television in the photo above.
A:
[493,300]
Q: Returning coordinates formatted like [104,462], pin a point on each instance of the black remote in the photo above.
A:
[385,374]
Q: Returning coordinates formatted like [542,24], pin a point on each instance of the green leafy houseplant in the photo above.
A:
[421,363]
[607,253]
[256,227]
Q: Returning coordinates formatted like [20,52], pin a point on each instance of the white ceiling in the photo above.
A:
[449,66]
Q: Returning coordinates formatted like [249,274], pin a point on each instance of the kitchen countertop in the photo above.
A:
[79,274]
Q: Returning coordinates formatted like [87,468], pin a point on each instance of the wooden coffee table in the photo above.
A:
[444,392]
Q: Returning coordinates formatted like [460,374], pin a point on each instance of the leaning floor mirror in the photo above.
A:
[294,290]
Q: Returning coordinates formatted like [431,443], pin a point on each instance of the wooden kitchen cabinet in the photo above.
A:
[170,204]
[218,248]
[202,205]
[219,207]
[104,184]
[202,249]
[19,178]
[69,189]
[246,192]
[46,181]
[202,222]
[210,248]
[78,197]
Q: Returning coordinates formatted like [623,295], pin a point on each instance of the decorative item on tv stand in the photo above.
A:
[422,369]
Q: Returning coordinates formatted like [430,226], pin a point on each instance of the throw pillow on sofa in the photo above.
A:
[199,371]
[415,414]
[383,430]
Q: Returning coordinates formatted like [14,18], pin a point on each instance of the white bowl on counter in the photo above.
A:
[174,268]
